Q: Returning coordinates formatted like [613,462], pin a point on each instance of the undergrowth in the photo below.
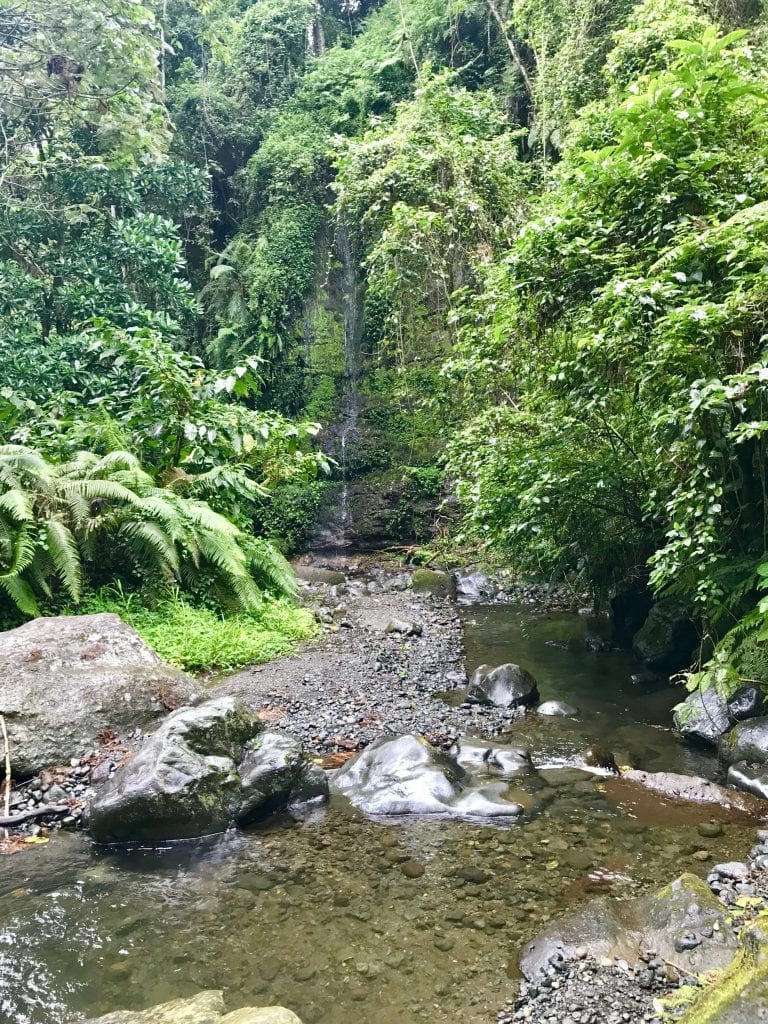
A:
[201,639]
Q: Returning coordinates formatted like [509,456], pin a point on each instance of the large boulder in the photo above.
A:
[668,639]
[65,679]
[746,702]
[405,775]
[684,924]
[203,770]
[750,777]
[474,588]
[703,716]
[204,1008]
[747,741]
[506,686]
[433,581]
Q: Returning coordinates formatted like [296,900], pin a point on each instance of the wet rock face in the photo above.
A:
[204,1008]
[703,717]
[683,924]
[747,741]
[506,686]
[748,702]
[67,678]
[667,640]
[204,769]
[405,775]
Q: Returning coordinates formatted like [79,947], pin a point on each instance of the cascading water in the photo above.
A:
[338,531]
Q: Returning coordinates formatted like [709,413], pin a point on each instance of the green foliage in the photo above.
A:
[288,516]
[200,639]
[103,516]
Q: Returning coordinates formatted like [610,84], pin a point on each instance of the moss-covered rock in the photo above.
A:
[433,581]
[667,641]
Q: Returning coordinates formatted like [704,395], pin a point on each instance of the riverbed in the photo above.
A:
[349,921]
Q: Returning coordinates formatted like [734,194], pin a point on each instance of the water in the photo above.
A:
[319,916]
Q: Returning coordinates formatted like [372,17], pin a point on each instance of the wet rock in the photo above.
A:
[703,716]
[273,774]
[506,686]
[684,914]
[412,869]
[748,702]
[204,1008]
[557,709]
[500,761]
[750,777]
[314,574]
[433,581]
[600,757]
[668,638]
[474,588]
[67,678]
[726,803]
[405,775]
[710,829]
[203,770]
[747,741]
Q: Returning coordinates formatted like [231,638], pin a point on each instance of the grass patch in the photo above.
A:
[198,639]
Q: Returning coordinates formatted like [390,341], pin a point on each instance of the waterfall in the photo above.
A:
[352,371]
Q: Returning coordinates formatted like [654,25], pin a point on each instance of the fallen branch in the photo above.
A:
[35,812]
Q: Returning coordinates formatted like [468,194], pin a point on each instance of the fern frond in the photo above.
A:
[65,556]
[20,593]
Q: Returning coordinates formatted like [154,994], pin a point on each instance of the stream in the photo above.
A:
[349,921]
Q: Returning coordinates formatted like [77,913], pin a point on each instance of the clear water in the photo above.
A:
[321,916]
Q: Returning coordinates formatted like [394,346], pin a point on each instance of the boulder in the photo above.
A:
[204,1008]
[702,716]
[203,770]
[404,627]
[750,777]
[667,640]
[747,741]
[506,686]
[405,775]
[474,588]
[433,581]
[503,762]
[67,678]
[274,773]
[684,924]
[747,702]
[556,709]
[314,574]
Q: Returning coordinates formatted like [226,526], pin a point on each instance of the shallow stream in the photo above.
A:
[348,921]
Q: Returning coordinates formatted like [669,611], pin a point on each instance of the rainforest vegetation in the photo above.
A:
[519,246]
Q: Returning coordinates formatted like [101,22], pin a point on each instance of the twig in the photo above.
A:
[7,784]
[36,812]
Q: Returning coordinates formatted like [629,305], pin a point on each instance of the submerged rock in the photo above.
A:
[747,741]
[702,716]
[668,638]
[506,686]
[204,1008]
[405,775]
[67,678]
[728,804]
[683,924]
[204,769]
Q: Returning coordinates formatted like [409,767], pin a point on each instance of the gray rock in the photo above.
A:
[747,741]
[473,588]
[728,803]
[67,678]
[204,1008]
[314,574]
[405,775]
[203,770]
[747,702]
[750,777]
[506,686]
[404,627]
[702,716]
[684,924]
[500,761]
[668,638]
[556,709]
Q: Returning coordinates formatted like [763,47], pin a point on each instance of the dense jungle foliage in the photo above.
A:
[551,220]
